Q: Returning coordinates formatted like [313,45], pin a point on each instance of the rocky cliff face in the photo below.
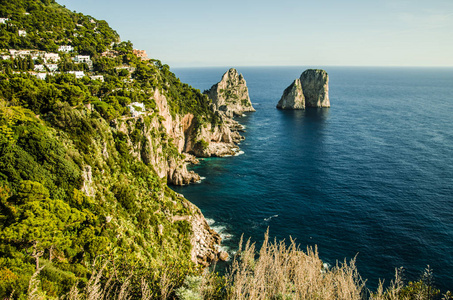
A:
[231,95]
[202,140]
[293,97]
[315,84]
[205,241]
[168,143]
[184,138]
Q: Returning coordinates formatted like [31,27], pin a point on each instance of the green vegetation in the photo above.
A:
[46,220]
[47,25]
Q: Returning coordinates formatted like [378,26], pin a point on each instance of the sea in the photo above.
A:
[369,178]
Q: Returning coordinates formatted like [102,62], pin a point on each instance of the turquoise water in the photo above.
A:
[371,176]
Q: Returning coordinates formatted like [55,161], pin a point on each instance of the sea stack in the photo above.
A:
[231,94]
[315,84]
[293,97]
[310,90]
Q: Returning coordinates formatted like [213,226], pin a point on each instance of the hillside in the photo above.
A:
[91,133]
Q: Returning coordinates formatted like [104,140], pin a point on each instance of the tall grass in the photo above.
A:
[286,272]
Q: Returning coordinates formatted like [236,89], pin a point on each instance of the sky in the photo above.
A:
[190,33]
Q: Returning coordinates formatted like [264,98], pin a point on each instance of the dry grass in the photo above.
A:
[281,272]
[393,290]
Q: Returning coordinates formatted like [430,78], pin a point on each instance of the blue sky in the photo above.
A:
[282,32]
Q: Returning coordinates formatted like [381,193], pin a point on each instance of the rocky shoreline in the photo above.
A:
[230,98]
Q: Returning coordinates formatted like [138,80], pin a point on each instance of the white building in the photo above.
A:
[52,67]
[41,76]
[3,20]
[78,74]
[51,57]
[22,53]
[40,68]
[65,48]
[137,109]
[126,67]
[82,59]
[22,33]
[97,77]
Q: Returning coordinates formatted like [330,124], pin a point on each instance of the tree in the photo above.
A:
[38,223]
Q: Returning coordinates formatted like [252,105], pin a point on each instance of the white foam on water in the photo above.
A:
[201,179]
[210,221]
[239,153]
[219,229]
[271,217]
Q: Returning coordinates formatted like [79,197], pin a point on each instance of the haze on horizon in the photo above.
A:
[282,33]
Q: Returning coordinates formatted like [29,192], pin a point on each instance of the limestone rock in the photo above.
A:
[223,256]
[231,95]
[315,85]
[293,97]
[205,241]
[87,186]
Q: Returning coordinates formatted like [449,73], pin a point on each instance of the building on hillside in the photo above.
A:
[136,109]
[77,74]
[141,54]
[65,48]
[19,53]
[126,67]
[51,57]
[41,76]
[22,33]
[110,53]
[3,20]
[97,77]
[40,68]
[52,67]
[82,59]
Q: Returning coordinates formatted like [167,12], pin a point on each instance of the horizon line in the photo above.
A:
[308,65]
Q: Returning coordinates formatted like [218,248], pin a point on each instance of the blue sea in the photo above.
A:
[371,176]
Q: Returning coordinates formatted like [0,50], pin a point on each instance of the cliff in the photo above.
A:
[231,95]
[293,97]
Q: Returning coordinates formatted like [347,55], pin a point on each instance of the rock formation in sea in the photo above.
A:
[293,97]
[231,94]
[310,90]
[315,84]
